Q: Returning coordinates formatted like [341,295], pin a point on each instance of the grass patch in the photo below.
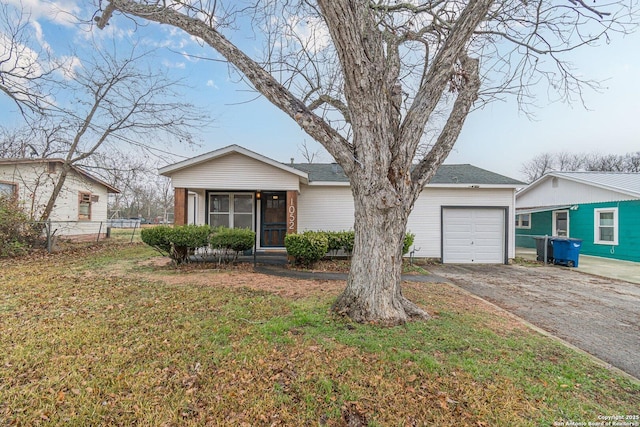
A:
[99,338]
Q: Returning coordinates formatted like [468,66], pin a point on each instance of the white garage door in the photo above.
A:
[473,235]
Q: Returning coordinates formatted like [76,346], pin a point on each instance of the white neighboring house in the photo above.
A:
[81,207]
[464,215]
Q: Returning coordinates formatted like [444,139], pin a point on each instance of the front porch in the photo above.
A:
[271,214]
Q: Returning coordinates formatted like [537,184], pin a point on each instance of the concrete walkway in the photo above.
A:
[598,266]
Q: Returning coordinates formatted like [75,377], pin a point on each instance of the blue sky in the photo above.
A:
[498,137]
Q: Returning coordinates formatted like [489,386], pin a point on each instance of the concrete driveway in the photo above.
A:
[598,315]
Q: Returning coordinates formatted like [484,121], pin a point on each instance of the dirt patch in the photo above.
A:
[239,275]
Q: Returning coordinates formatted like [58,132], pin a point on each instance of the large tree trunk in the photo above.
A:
[373,292]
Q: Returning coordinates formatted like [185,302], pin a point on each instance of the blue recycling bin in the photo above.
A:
[566,251]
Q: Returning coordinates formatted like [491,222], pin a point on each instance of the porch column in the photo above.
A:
[180,206]
[292,212]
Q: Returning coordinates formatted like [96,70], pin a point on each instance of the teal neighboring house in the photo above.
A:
[600,208]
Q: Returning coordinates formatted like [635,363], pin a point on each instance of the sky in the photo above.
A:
[497,137]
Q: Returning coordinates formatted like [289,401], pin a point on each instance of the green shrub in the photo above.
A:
[308,247]
[177,242]
[232,240]
[18,234]
[158,238]
[340,240]
[409,237]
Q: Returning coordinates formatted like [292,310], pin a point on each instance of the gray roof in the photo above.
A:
[446,174]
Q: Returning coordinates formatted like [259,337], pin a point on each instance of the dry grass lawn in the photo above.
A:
[113,335]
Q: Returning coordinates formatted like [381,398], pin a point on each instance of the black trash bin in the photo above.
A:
[540,248]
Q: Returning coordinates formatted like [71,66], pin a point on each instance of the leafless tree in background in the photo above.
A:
[576,162]
[24,68]
[366,78]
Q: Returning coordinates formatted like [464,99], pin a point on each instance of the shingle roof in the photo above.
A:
[446,174]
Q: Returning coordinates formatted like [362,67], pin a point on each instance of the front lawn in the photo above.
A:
[110,335]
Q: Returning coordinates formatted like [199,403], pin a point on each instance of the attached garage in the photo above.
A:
[474,235]
[463,215]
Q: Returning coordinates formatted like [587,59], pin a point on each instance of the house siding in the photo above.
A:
[325,208]
[425,223]
[35,184]
[628,248]
[332,208]
[234,172]
[581,226]
[541,225]
[567,192]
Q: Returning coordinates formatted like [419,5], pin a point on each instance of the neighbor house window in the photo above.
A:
[523,221]
[606,226]
[8,189]
[84,206]
[231,210]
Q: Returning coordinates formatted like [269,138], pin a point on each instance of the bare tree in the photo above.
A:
[23,68]
[307,153]
[538,166]
[116,102]
[365,78]
[575,162]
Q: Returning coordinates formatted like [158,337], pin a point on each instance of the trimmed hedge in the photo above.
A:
[234,240]
[177,242]
[308,247]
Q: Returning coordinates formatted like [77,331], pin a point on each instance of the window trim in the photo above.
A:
[554,224]
[231,213]
[82,194]
[14,185]
[518,221]
[597,226]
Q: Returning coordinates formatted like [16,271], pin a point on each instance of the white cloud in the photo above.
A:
[63,12]
[212,84]
[169,64]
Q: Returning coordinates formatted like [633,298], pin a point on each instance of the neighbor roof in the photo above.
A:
[621,182]
[464,174]
[110,188]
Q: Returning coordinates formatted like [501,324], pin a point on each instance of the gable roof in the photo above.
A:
[225,151]
[78,170]
[332,173]
[620,182]
[463,175]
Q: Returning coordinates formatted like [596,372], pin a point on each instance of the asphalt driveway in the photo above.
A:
[599,315]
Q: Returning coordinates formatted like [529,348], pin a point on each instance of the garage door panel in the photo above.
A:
[473,235]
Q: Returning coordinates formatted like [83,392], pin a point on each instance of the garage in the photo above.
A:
[474,235]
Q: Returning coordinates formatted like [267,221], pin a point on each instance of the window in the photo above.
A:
[8,189]
[606,226]
[523,221]
[84,206]
[231,210]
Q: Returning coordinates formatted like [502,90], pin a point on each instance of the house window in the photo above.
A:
[8,189]
[84,206]
[606,226]
[231,210]
[523,221]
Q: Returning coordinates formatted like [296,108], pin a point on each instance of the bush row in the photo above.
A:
[181,241]
[311,246]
